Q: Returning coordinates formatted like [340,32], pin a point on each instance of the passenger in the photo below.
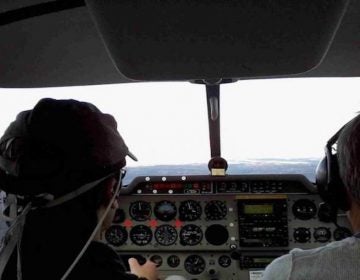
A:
[65,157]
[339,259]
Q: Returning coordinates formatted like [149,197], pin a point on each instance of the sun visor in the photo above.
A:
[158,40]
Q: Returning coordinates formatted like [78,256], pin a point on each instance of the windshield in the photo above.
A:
[267,126]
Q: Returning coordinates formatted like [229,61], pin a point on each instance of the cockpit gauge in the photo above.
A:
[165,210]
[191,235]
[173,261]
[189,210]
[141,235]
[224,261]
[166,235]
[157,260]
[116,235]
[302,235]
[215,210]
[194,264]
[216,234]
[304,209]
[140,210]
[341,233]
[322,234]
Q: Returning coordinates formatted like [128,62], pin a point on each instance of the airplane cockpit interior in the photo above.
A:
[216,224]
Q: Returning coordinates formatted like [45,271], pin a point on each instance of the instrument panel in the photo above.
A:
[230,227]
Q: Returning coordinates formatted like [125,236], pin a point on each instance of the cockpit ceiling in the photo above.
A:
[64,49]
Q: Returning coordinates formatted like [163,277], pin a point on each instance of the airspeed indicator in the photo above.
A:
[166,235]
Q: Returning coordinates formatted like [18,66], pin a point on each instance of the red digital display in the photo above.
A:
[196,186]
[167,186]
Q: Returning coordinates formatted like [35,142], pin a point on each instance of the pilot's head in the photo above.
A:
[57,146]
[65,157]
[348,153]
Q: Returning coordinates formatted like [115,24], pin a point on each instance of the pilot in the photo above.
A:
[339,259]
[61,166]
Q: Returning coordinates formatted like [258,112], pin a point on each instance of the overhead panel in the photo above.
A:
[206,39]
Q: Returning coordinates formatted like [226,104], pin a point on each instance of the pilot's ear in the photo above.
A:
[108,191]
[115,204]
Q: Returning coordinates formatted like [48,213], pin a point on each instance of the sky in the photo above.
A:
[166,123]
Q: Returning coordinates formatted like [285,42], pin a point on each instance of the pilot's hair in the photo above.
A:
[348,153]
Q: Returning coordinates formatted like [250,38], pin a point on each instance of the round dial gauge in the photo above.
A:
[191,235]
[224,261]
[194,264]
[189,210]
[304,209]
[116,235]
[322,234]
[141,235]
[140,210]
[215,210]
[166,235]
[302,235]
[165,210]
[341,233]
[173,261]
[157,260]
[216,234]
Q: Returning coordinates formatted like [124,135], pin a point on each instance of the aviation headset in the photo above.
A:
[328,180]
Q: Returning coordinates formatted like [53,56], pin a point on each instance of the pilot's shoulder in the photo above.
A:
[279,269]
[308,262]
[346,245]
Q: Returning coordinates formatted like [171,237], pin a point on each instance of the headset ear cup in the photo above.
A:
[330,186]
[28,167]
[322,177]
[337,188]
